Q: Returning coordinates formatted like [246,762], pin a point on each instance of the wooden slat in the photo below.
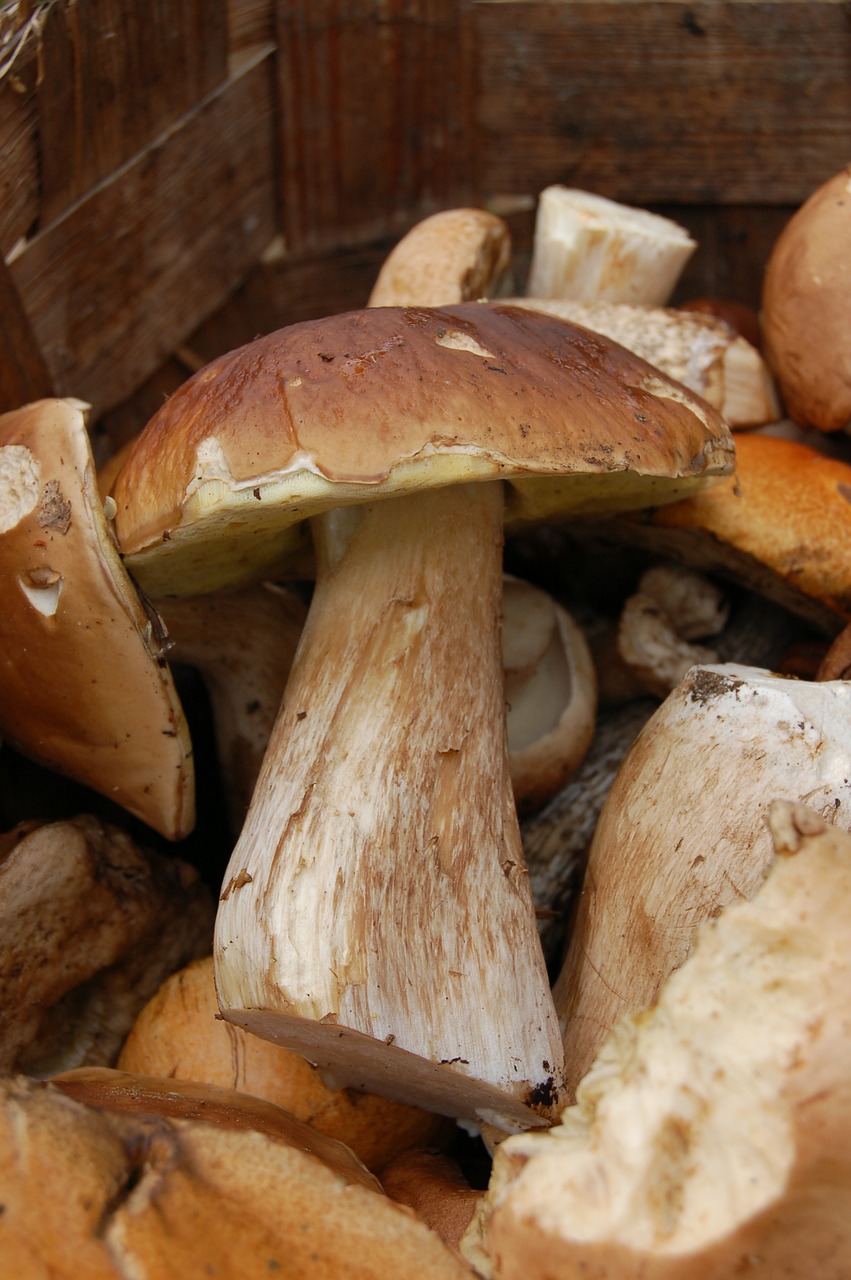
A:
[730,103]
[19,163]
[113,286]
[250,22]
[114,75]
[23,373]
[376,103]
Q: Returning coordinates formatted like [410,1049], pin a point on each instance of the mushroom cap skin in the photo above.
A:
[94,1193]
[781,525]
[806,310]
[83,689]
[215,487]
[711,1137]
[456,255]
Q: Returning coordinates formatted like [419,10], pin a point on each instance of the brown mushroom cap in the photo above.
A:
[806,308]
[82,689]
[781,525]
[365,405]
[456,255]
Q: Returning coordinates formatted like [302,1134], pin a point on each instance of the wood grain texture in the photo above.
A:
[114,75]
[181,224]
[23,373]
[703,102]
[376,124]
[19,180]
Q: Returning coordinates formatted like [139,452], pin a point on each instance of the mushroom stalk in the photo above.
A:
[376,914]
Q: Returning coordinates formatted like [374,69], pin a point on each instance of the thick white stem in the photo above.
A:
[376,914]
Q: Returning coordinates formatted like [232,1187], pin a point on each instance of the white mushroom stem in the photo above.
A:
[376,914]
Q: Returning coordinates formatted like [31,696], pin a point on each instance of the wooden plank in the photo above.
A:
[376,102]
[735,102]
[114,75]
[250,22]
[119,281]
[19,161]
[23,372]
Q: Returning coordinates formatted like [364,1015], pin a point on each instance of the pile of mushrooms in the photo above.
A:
[523,622]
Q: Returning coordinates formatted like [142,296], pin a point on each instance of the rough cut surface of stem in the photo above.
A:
[376,914]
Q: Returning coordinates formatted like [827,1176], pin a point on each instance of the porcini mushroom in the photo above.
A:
[682,832]
[376,899]
[711,1137]
[456,255]
[805,311]
[83,688]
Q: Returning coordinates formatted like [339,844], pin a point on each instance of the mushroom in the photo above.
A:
[83,687]
[376,899]
[551,691]
[682,832]
[456,255]
[699,350]
[711,1137]
[179,1035]
[594,249]
[90,925]
[94,1192]
[433,1185]
[780,526]
[804,315]
[243,644]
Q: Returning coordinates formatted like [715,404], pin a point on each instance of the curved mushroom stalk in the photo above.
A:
[711,1137]
[456,255]
[682,832]
[350,940]
[550,689]
[243,644]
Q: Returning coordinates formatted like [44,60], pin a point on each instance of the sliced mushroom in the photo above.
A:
[83,687]
[682,832]
[90,925]
[699,350]
[594,249]
[457,255]
[711,1137]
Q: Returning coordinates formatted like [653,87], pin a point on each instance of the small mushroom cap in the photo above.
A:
[806,308]
[369,404]
[456,255]
[82,689]
[781,525]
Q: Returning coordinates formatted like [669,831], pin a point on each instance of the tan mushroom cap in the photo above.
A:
[806,307]
[782,525]
[372,403]
[456,255]
[82,689]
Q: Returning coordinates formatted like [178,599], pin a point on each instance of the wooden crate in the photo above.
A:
[179,175]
